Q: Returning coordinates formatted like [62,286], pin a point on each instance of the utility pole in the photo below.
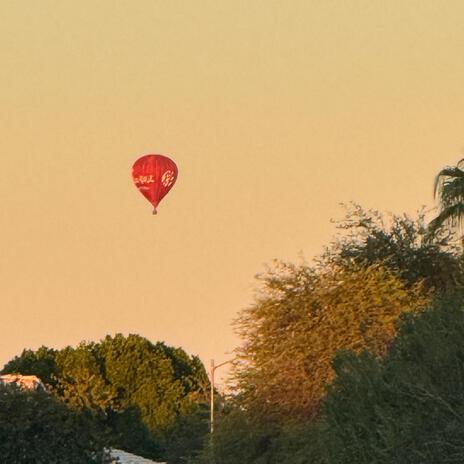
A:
[213,368]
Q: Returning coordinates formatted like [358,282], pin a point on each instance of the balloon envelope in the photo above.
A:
[154,176]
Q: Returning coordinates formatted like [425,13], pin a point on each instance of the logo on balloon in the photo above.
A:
[144,180]
[168,178]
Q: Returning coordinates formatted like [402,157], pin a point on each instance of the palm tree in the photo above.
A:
[449,188]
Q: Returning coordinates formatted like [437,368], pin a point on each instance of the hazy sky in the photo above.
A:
[275,112]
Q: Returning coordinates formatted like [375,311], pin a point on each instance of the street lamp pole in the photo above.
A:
[213,369]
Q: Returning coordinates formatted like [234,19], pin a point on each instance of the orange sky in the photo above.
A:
[275,111]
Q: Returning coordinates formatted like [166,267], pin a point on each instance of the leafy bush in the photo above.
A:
[37,428]
[144,394]
[299,321]
[408,408]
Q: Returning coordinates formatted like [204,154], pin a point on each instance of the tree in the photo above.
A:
[184,439]
[36,427]
[163,382]
[82,380]
[240,439]
[378,269]
[41,363]
[449,188]
[299,321]
[407,407]
[137,391]
[401,243]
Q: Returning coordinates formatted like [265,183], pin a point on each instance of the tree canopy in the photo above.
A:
[400,242]
[449,188]
[407,407]
[301,317]
[306,319]
[35,427]
[321,375]
[139,391]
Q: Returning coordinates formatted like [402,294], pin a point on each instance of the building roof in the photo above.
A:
[123,457]
[28,382]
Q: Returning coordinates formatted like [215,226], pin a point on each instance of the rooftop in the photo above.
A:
[28,382]
[123,457]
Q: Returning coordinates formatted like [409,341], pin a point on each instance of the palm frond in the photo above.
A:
[453,215]
[452,192]
[445,174]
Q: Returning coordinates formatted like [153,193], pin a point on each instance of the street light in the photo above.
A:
[213,368]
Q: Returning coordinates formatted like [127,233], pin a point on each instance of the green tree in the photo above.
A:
[378,268]
[399,242]
[238,439]
[41,363]
[185,438]
[449,188]
[82,381]
[163,382]
[137,391]
[408,407]
[35,427]
[300,319]
[127,431]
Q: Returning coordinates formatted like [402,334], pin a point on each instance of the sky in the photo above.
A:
[275,113]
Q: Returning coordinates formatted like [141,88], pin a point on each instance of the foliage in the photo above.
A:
[186,436]
[379,269]
[408,408]
[82,382]
[300,319]
[449,188]
[401,243]
[41,363]
[127,431]
[138,390]
[240,439]
[37,428]
[333,324]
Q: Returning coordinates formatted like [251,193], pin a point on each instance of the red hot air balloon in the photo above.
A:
[154,176]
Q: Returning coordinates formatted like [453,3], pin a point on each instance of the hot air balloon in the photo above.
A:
[154,176]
